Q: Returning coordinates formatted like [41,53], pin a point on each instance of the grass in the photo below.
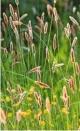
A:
[34,98]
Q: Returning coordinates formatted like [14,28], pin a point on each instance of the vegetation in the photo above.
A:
[40,70]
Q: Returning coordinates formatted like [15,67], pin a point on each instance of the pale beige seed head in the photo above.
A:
[18,115]
[3,26]
[56,17]
[11,46]
[45,27]
[54,42]
[77,67]
[74,20]
[17,23]
[47,53]
[30,29]
[15,16]
[2,116]
[23,17]
[72,55]
[5,18]
[48,105]
[49,9]
[42,17]
[11,10]
[74,41]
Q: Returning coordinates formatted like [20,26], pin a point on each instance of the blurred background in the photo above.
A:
[36,7]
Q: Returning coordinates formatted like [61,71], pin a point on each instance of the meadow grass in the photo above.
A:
[40,72]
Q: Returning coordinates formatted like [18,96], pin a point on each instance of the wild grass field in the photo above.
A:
[40,69]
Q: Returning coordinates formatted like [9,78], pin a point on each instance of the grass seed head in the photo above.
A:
[49,9]
[45,27]
[2,116]
[11,10]
[72,55]
[74,41]
[5,18]
[77,68]
[18,115]
[48,105]
[54,42]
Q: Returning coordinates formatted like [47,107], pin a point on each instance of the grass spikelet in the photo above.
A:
[49,9]
[18,115]
[41,84]
[72,55]
[23,17]
[48,105]
[5,18]
[2,116]
[74,20]
[71,83]
[54,43]
[74,41]
[17,23]
[35,69]
[47,54]
[45,27]
[77,68]
[11,10]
